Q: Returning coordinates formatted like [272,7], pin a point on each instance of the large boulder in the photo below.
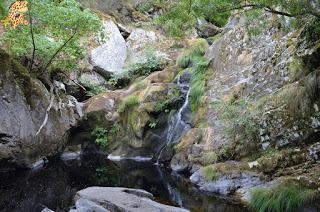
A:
[114,199]
[227,178]
[23,105]
[110,57]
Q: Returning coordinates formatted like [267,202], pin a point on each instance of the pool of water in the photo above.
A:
[55,185]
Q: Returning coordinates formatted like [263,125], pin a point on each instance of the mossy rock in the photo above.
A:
[21,74]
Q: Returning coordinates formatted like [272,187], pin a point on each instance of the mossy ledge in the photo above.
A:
[21,75]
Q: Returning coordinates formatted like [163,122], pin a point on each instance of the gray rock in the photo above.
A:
[226,184]
[22,112]
[117,8]
[206,29]
[138,41]
[47,210]
[67,156]
[110,57]
[91,79]
[314,152]
[118,199]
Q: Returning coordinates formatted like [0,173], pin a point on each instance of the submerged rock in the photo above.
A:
[118,199]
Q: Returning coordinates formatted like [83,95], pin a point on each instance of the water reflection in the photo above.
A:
[55,185]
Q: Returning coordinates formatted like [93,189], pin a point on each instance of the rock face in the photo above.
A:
[115,199]
[206,29]
[91,79]
[267,71]
[120,9]
[135,135]
[137,42]
[23,102]
[111,55]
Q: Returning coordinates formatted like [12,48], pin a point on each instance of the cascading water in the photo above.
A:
[178,124]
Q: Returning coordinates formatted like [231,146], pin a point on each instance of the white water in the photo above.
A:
[137,158]
[177,126]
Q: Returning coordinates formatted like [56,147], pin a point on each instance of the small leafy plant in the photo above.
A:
[101,135]
[152,125]
[241,123]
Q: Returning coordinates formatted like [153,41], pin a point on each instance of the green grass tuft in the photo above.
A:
[198,84]
[193,54]
[128,103]
[209,173]
[282,198]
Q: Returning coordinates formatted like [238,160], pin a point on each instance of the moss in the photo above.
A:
[169,103]
[282,198]
[21,75]
[128,103]
[274,160]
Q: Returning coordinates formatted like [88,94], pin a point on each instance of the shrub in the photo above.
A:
[209,173]
[240,123]
[59,35]
[101,135]
[193,54]
[282,198]
[128,103]
[209,158]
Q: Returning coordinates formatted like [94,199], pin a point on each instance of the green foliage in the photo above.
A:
[178,19]
[193,54]
[114,129]
[101,135]
[53,24]
[3,9]
[128,103]
[198,83]
[148,5]
[96,90]
[152,125]
[210,173]
[182,14]
[169,103]
[210,158]
[241,123]
[92,88]
[194,57]
[282,198]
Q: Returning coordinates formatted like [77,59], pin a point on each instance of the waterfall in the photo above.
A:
[178,124]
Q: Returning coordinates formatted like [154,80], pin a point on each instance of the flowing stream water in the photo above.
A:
[178,124]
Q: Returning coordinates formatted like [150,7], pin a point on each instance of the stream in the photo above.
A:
[55,185]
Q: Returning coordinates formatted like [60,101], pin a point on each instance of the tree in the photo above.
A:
[52,39]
